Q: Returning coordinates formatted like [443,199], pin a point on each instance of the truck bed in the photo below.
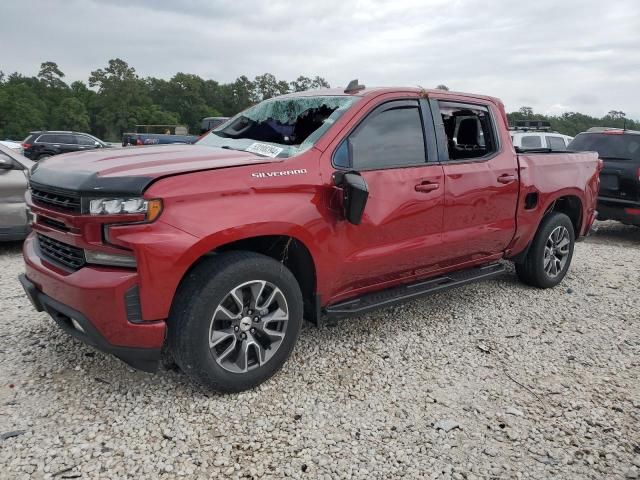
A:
[548,175]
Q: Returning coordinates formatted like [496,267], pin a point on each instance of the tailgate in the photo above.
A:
[619,179]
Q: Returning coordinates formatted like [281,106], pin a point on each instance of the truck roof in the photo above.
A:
[382,90]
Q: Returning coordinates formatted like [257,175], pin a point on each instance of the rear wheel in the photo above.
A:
[42,157]
[550,254]
[235,320]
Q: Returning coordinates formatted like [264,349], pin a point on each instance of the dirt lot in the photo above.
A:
[494,380]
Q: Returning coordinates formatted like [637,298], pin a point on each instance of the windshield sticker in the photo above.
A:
[283,173]
[264,149]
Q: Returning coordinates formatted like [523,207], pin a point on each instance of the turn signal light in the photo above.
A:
[154,208]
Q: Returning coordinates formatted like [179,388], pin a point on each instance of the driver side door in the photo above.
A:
[399,236]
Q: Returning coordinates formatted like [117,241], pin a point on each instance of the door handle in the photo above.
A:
[506,178]
[426,187]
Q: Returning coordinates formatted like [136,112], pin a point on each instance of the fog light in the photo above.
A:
[76,325]
[115,259]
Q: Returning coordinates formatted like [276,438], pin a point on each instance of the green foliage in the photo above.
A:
[123,99]
[572,123]
[116,99]
[71,114]
[51,76]
[21,110]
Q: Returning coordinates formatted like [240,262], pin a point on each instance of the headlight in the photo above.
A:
[117,206]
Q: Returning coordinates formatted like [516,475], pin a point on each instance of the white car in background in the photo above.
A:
[532,134]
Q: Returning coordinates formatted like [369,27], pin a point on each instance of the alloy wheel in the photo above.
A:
[248,326]
[556,251]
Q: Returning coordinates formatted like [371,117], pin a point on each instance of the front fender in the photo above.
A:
[243,232]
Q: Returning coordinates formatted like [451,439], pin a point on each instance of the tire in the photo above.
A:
[226,347]
[42,157]
[546,272]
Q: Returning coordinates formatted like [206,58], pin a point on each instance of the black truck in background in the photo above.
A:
[619,196]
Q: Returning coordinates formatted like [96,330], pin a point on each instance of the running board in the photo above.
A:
[395,295]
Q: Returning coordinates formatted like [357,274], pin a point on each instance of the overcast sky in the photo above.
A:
[568,55]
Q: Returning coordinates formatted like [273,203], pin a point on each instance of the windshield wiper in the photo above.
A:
[227,147]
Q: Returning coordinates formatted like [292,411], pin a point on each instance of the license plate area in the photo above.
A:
[609,182]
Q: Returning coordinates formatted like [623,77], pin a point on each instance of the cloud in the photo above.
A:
[578,53]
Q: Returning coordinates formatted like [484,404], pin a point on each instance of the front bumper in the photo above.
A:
[93,297]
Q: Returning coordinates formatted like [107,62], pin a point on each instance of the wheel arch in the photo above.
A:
[570,204]
[287,248]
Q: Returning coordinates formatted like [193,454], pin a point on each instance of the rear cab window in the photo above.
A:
[531,141]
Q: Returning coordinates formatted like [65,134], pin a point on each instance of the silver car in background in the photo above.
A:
[14,178]
[15,146]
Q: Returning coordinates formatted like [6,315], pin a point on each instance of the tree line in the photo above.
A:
[116,98]
[572,123]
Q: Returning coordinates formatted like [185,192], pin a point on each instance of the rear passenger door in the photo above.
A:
[480,180]
[400,233]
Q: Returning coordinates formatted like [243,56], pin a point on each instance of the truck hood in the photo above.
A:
[131,170]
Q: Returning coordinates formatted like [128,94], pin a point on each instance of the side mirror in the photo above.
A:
[97,144]
[355,194]
[6,164]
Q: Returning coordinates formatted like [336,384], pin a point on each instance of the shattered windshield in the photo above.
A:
[280,127]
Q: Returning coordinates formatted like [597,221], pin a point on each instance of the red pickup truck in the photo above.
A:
[317,204]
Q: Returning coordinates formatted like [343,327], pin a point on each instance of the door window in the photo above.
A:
[46,139]
[531,141]
[392,136]
[469,129]
[65,139]
[84,140]
[556,143]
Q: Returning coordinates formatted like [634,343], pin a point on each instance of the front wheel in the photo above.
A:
[550,254]
[235,320]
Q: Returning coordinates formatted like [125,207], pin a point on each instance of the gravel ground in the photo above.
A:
[493,380]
